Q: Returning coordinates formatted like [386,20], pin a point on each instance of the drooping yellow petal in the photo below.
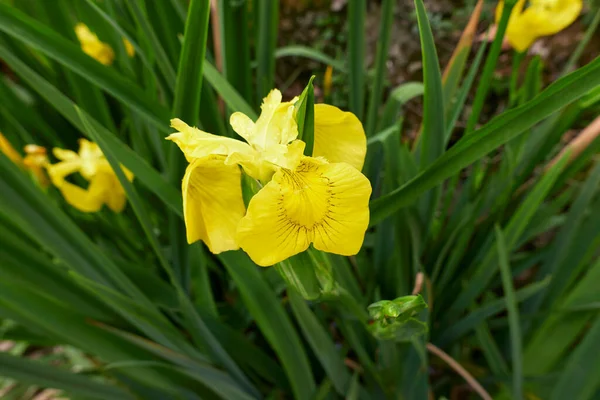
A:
[195,143]
[339,136]
[92,198]
[116,198]
[547,17]
[212,202]
[9,151]
[59,171]
[539,18]
[92,46]
[320,203]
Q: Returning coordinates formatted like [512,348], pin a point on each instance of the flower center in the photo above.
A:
[305,196]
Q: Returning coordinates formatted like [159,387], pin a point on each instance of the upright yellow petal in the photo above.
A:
[195,143]
[276,124]
[339,136]
[212,202]
[9,151]
[320,203]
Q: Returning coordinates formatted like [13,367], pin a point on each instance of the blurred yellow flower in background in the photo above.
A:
[321,199]
[129,48]
[35,159]
[93,47]
[104,186]
[539,18]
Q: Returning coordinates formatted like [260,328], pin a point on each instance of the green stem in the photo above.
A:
[514,77]
[489,67]
[387,15]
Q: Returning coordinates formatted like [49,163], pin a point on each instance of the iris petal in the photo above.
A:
[320,203]
[540,18]
[195,143]
[212,202]
[339,136]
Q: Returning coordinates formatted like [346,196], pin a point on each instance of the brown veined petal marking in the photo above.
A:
[320,203]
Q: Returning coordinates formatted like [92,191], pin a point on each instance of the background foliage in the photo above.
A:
[496,225]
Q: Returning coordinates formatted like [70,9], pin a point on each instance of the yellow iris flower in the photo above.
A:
[540,18]
[104,186]
[93,47]
[321,199]
[35,159]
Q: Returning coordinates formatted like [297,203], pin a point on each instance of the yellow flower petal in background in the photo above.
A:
[547,17]
[212,202]
[90,199]
[327,81]
[129,48]
[104,185]
[36,160]
[539,18]
[9,151]
[339,136]
[320,203]
[92,46]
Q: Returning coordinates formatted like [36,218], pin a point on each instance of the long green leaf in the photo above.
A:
[310,53]
[230,96]
[357,10]
[581,376]
[513,316]
[272,320]
[494,134]
[321,343]
[40,374]
[268,23]
[383,44]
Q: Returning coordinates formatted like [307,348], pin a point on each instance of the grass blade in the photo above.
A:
[499,131]
[40,374]
[272,320]
[321,343]
[268,22]
[227,92]
[513,316]
[456,66]
[383,44]
[433,127]
[489,68]
[357,9]
[310,53]
[581,375]
[30,31]
[233,18]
